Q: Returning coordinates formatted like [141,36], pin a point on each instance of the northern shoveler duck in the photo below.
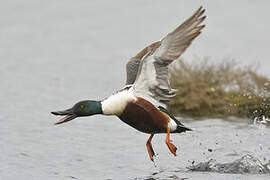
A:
[140,103]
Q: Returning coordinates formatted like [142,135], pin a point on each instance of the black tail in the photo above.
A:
[181,128]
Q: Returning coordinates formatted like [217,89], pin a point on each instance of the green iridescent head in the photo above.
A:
[82,108]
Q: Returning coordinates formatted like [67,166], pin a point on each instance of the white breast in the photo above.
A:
[115,104]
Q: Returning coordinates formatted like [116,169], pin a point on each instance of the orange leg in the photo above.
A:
[150,148]
[171,147]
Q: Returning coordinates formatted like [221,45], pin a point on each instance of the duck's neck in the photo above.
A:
[93,107]
[116,104]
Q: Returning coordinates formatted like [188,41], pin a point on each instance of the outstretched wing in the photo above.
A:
[133,64]
[152,81]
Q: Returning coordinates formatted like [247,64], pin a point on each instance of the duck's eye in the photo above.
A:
[81,106]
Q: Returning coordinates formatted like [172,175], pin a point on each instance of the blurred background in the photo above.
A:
[55,53]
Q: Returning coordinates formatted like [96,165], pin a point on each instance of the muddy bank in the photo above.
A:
[219,89]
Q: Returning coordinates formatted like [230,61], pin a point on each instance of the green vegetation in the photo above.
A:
[221,90]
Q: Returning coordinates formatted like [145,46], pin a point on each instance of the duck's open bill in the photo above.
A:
[69,116]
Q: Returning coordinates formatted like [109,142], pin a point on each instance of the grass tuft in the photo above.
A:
[207,89]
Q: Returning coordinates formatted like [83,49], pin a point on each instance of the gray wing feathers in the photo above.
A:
[153,75]
[176,42]
[132,70]
[133,64]
[163,90]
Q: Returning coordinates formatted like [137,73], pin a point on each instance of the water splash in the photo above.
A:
[261,120]
[247,164]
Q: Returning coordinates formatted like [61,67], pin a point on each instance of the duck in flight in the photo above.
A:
[140,103]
